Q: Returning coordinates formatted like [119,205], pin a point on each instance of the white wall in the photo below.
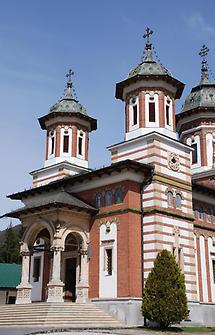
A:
[108,283]
[211,250]
[203,269]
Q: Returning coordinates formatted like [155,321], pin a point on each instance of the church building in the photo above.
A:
[93,235]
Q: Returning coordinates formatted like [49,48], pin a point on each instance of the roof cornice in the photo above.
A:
[116,167]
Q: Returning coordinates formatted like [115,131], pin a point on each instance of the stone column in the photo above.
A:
[55,286]
[82,287]
[24,288]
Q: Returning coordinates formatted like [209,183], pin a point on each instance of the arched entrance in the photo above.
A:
[71,270]
[40,265]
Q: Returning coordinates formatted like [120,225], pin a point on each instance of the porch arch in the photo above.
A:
[32,232]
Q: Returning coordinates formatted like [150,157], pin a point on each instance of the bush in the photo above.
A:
[164,299]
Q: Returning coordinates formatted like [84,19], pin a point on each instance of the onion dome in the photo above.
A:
[149,69]
[202,95]
[148,66]
[68,103]
[68,106]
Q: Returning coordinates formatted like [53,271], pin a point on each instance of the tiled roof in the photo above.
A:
[59,198]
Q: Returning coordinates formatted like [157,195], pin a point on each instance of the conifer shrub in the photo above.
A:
[164,299]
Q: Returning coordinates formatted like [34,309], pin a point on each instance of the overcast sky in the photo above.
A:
[101,41]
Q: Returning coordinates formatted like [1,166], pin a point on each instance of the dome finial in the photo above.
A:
[148,46]
[204,70]
[69,83]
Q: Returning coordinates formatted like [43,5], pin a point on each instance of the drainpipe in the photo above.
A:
[146,182]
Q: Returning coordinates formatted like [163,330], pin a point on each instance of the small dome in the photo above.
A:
[202,95]
[68,105]
[148,66]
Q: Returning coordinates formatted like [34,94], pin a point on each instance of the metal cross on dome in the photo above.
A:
[70,74]
[147,34]
[203,52]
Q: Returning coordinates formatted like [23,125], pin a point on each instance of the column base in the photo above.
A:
[55,292]
[23,294]
[82,293]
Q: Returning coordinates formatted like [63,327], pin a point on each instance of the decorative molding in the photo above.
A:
[173,161]
[119,211]
[108,223]
[170,213]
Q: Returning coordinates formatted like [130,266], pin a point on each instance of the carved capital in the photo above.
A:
[56,248]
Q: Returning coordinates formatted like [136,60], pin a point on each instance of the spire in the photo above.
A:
[148,47]
[69,84]
[204,70]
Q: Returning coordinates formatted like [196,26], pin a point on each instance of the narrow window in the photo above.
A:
[80,142]
[151,112]
[194,153]
[213,265]
[98,200]
[167,115]
[52,145]
[178,201]
[109,261]
[118,195]
[108,198]
[170,199]
[36,269]
[134,115]
[66,143]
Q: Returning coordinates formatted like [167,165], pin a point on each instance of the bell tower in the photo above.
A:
[196,123]
[67,128]
[149,93]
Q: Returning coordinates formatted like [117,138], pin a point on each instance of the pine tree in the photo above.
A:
[164,300]
[9,248]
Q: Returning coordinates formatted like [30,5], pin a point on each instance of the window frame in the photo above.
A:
[170,204]
[108,257]
[195,160]
[178,196]
[152,103]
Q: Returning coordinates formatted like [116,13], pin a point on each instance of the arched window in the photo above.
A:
[194,153]
[170,199]
[151,109]
[66,141]
[134,106]
[99,200]
[168,114]
[81,143]
[178,201]
[118,195]
[108,198]
[52,142]
[134,113]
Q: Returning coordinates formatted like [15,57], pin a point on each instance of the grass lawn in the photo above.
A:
[198,330]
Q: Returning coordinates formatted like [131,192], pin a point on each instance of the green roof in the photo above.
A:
[10,275]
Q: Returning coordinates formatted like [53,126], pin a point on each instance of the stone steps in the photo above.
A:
[56,315]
